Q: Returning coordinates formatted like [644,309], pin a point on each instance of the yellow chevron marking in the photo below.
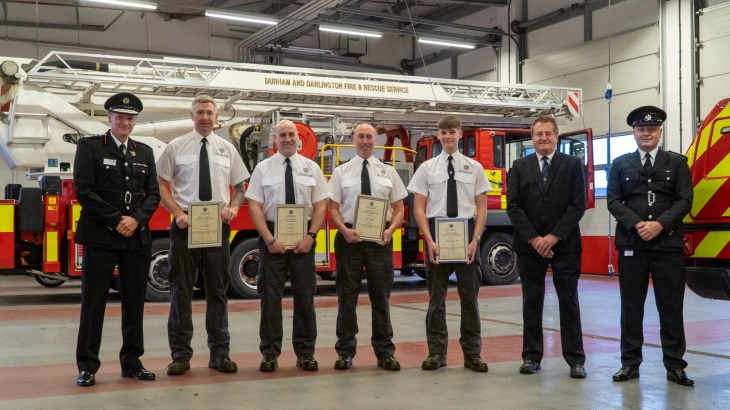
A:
[494,180]
[504,202]
[711,246]
[232,235]
[705,134]
[721,170]
[704,190]
[726,213]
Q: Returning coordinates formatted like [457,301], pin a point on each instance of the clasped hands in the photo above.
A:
[648,230]
[544,245]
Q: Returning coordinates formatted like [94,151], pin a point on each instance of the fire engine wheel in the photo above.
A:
[244,268]
[158,286]
[49,283]
[499,262]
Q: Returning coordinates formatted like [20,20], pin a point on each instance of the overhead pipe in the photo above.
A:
[557,16]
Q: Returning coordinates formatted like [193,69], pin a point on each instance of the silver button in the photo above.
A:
[627,178]
[128,210]
[649,215]
[107,167]
[126,165]
[648,180]
[127,178]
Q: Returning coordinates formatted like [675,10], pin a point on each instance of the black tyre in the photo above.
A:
[158,285]
[499,262]
[244,268]
[49,283]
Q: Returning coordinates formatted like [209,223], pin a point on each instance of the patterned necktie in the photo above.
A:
[452,205]
[647,164]
[205,191]
[289,183]
[365,179]
[545,170]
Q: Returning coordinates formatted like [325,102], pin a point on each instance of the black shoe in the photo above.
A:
[223,364]
[388,362]
[578,371]
[86,378]
[529,367]
[178,367]
[433,362]
[625,374]
[680,377]
[139,373]
[269,363]
[307,362]
[343,362]
[475,362]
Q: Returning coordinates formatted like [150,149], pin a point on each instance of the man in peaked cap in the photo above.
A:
[116,185]
[649,193]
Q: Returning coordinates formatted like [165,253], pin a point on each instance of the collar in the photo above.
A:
[445,157]
[116,141]
[550,157]
[359,160]
[642,154]
[199,137]
[279,158]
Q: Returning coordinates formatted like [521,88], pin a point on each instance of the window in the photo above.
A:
[471,146]
[605,151]
[436,149]
[498,149]
[621,145]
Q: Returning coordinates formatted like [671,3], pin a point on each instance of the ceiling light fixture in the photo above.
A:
[350,31]
[448,43]
[128,3]
[248,17]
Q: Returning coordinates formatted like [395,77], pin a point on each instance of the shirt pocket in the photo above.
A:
[186,166]
[351,187]
[667,178]
[629,182]
[304,187]
[141,172]
[381,187]
[437,185]
[221,168]
[467,181]
[271,186]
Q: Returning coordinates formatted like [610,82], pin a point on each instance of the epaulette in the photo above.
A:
[676,153]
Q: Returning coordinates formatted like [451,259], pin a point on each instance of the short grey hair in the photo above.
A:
[203,98]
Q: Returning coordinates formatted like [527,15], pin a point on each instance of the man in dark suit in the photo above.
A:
[545,201]
[649,193]
[116,185]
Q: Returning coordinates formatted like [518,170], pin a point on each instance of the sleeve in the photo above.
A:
[320,191]
[615,199]
[399,190]
[166,163]
[516,208]
[335,187]
[576,206]
[85,187]
[238,173]
[419,182]
[482,183]
[682,201]
[152,194]
[254,190]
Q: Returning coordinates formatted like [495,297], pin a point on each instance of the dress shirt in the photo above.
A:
[432,177]
[267,184]
[541,162]
[116,141]
[346,184]
[653,153]
[180,162]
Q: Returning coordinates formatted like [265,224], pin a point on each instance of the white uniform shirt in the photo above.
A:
[432,178]
[180,164]
[268,187]
[346,183]
[653,153]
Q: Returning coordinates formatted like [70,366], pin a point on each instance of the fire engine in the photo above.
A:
[707,226]
[47,105]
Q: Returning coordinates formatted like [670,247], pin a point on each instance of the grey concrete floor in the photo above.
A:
[38,336]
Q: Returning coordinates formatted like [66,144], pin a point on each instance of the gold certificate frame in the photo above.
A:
[290,224]
[452,239]
[206,227]
[370,215]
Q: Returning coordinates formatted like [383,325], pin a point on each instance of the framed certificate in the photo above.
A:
[290,225]
[370,215]
[206,227]
[452,239]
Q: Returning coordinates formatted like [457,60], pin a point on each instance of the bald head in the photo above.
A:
[365,138]
[286,138]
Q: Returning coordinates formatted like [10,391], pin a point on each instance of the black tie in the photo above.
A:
[452,206]
[647,164]
[289,182]
[545,170]
[121,148]
[205,191]
[365,179]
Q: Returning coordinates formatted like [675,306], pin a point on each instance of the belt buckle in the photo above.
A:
[128,198]
[651,198]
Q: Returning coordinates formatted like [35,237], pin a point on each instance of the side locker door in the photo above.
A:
[580,144]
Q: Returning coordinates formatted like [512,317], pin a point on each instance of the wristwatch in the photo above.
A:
[312,234]
[478,238]
[271,241]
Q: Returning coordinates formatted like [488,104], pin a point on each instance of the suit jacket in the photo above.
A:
[670,182]
[108,186]
[556,207]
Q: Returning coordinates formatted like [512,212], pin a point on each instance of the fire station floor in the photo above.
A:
[38,329]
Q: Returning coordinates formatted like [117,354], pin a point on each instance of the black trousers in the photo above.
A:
[468,281]
[566,271]
[96,277]
[184,266]
[273,270]
[668,276]
[378,263]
